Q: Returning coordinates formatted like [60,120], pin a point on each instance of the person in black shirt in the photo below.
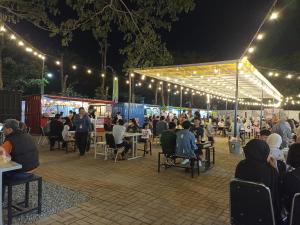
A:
[198,131]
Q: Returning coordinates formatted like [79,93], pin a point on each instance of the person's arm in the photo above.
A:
[6,147]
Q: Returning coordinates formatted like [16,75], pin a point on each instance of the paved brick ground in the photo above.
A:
[133,193]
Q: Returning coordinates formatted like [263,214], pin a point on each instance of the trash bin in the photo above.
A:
[234,147]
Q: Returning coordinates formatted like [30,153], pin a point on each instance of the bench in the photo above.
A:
[174,157]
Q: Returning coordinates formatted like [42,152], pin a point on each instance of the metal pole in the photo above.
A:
[207,105]
[261,105]
[42,81]
[236,98]
[273,106]
[180,99]
[130,96]
[168,99]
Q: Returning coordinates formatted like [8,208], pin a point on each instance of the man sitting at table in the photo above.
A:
[186,142]
[22,149]
[168,140]
[118,133]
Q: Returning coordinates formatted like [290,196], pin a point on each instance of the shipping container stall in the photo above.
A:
[38,109]
[129,111]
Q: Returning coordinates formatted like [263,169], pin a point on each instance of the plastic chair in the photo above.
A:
[295,212]
[250,204]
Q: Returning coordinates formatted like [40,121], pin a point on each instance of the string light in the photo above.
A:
[20,43]
[251,49]
[149,86]
[132,74]
[28,49]
[152,80]
[88,71]
[260,36]
[127,81]
[289,76]
[274,16]
[102,75]
[57,62]
[12,37]
[270,74]
[2,29]
[143,77]
[74,67]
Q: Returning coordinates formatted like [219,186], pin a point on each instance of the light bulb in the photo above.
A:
[274,16]
[74,67]
[89,71]
[251,50]
[260,36]
[57,62]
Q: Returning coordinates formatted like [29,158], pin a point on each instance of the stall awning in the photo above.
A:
[217,78]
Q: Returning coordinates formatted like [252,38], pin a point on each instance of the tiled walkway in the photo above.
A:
[133,193]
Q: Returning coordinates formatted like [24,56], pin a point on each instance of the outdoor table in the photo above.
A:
[5,167]
[206,146]
[134,137]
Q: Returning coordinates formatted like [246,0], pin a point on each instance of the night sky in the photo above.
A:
[216,30]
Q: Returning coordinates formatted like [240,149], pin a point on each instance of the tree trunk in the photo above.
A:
[1,69]
[103,51]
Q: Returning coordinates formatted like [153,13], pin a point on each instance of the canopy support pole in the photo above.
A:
[208,105]
[261,105]
[236,99]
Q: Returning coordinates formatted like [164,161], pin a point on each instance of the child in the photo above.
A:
[146,135]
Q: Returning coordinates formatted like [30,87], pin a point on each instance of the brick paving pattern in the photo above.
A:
[133,193]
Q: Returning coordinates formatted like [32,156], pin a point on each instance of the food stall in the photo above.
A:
[42,107]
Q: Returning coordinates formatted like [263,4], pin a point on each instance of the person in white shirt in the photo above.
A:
[274,141]
[118,133]
[146,135]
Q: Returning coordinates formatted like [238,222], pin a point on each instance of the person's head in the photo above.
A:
[257,150]
[186,125]
[81,111]
[10,126]
[264,134]
[118,113]
[172,126]
[162,118]
[120,122]
[67,121]
[197,114]
[57,116]
[222,120]
[293,158]
[274,141]
[196,121]
[146,126]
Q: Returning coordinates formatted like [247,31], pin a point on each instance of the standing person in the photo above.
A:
[283,130]
[209,129]
[146,135]
[83,124]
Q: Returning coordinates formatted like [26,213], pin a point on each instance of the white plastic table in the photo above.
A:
[5,167]
[134,137]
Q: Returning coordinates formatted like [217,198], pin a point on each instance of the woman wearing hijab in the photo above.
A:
[259,167]
[274,141]
[292,179]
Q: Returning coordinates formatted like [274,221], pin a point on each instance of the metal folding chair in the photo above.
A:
[250,204]
[295,212]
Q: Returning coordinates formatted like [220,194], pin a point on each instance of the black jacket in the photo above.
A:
[24,151]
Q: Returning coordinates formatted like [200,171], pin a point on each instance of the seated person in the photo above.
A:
[186,142]
[21,148]
[198,131]
[161,126]
[56,128]
[274,141]
[118,133]
[264,134]
[168,140]
[221,125]
[259,167]
[292,179]
[133,127]
[67,127]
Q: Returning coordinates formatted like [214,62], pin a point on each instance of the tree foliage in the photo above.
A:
[139,21]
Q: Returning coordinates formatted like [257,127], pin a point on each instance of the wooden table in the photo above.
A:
[5,167]
[207,146]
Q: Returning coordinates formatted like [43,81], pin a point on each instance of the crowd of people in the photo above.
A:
[274,160]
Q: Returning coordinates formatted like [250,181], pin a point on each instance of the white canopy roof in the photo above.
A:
[217,78]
